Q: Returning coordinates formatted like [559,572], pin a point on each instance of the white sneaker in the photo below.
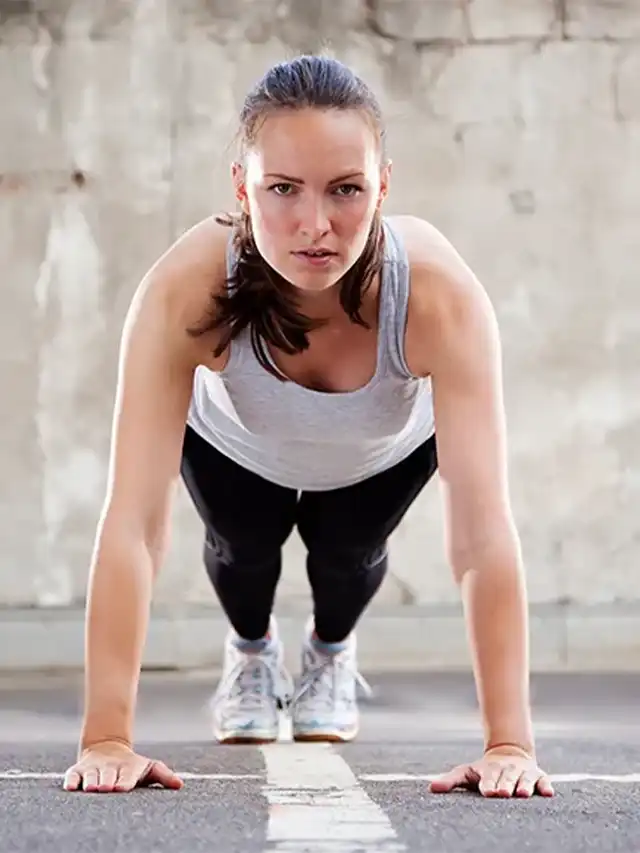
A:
[324,707]
[253,688]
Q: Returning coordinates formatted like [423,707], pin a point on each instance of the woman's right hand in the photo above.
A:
[113,767]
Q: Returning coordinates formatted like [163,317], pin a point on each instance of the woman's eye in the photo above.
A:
[348,190]
[282,189]
[344,190]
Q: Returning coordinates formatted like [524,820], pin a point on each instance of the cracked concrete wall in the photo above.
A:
[513,126]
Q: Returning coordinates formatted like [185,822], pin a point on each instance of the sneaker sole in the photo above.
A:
[245,738]
[325,737]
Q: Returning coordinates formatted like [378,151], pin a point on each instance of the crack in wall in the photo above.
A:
[558,30]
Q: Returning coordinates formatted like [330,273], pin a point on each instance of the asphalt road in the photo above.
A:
[367,797]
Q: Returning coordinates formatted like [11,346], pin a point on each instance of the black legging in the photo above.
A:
[248,518]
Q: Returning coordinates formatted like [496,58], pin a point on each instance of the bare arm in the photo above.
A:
[155,378]
[464,360]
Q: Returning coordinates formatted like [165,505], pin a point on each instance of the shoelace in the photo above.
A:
[255,677]
[315,674]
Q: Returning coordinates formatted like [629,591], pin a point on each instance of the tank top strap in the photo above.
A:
[394,302]
[231,254]
[240,346]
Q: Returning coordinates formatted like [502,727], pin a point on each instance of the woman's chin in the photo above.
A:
[312,281]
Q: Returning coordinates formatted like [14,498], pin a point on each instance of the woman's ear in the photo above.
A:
[239,186]
[385,178]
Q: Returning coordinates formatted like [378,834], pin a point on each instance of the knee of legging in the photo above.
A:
[247,553]
[348,559]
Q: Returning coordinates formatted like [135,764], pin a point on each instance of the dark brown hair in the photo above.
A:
[257,296]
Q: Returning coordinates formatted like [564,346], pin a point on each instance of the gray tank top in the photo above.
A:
[313,440]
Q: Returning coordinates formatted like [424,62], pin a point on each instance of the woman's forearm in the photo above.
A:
[117,618]
[495,602]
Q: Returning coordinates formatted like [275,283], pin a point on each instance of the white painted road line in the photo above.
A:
[628,778]
[215,777]
[316,804]
[620,778]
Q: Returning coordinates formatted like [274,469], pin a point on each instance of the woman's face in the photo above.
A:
[311,184]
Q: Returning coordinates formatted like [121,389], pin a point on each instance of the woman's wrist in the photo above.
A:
[509,747]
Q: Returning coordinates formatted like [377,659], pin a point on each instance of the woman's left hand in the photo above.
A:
[501,772]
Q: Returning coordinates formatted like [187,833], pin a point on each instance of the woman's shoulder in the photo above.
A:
[425,245]
[444,292]
[438,272]
[176,292]
[195,265]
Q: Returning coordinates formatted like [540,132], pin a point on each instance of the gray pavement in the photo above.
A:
[368,796]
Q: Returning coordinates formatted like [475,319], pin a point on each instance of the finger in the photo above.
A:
[72,780]
[508,781]
[461,776]
[107,779]
[90,779]
[544,786]
[158,773]
[127,779]
[489,779]
[448,781]
[526,785]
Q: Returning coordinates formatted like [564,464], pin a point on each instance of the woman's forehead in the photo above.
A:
[332,142]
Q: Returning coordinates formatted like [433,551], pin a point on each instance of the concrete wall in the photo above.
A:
[514,126]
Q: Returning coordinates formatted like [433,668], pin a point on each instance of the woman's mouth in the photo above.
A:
[315,257]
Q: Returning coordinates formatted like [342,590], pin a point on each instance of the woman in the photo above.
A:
[292,367]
